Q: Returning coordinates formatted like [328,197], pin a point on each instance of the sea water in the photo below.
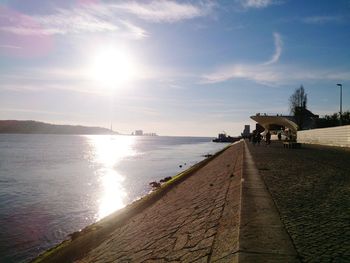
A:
[53,185]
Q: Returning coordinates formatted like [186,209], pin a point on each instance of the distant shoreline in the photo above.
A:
[35,127]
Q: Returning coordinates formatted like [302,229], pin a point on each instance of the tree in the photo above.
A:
[298,100]
[333,120]
[297,104]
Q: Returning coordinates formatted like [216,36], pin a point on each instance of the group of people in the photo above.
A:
[256,138]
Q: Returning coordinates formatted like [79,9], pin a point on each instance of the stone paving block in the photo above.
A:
[275,258]
[230,258]
[181,241]
[265,239]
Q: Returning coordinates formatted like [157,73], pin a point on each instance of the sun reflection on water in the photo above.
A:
[108,151]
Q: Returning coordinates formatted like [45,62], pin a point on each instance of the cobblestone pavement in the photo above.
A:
[188,224]
[311,188]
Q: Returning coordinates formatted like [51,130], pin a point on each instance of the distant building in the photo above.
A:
[150,134]
[246,131]
[139,132]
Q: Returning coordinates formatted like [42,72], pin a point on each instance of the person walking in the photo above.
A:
[258,138]
[268,138]
[254,137]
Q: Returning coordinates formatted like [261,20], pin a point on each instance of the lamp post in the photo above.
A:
[341,95]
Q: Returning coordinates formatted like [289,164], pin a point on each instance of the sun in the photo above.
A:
[113,67]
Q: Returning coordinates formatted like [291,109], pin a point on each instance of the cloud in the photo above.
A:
[91,18]
[37,79]
[258,73]
[261,73]
[63,21]
[273,75]
[270,74]
[10,47]
[100,17]
[319,20]
[136,31]
[256,3]
[81,79]
[278,49]
[165,11]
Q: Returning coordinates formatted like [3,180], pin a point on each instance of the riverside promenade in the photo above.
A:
[246,204]
[311,188]
[220,212]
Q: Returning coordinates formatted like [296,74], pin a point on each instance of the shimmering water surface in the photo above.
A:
[53,185]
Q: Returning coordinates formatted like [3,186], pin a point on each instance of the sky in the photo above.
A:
[189,68]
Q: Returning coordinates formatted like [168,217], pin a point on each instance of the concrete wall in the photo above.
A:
[336,136]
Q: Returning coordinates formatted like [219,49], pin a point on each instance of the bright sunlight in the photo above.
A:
[107,152]
[113,67]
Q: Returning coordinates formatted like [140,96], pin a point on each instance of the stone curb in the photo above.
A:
[262,235]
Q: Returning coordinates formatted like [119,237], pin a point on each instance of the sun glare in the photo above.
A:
[107,152]
[113,67]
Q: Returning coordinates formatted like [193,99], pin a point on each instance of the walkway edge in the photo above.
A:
[262,235]
[226,243]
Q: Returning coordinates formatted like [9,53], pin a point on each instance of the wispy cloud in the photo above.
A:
[166,11]
[278,49]
[81,79]
[101,17]
[319,20]
[273,75]
[9,47]
[90,18]
[257,3]
[83,19]
[258,73]
[37,79]
[261,73]
[136,31]
[270,74]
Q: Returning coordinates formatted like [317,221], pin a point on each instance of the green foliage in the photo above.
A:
[333,120]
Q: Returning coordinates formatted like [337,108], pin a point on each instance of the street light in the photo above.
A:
[341,95]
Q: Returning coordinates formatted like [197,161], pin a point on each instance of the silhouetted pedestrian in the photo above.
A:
[254,137]
[258,138]
[268,137]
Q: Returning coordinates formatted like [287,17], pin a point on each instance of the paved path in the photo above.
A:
[311,188]
[182,226]
[215,215]
[262,236]
[224,213]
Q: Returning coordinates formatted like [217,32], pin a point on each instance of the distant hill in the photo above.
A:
[32,127]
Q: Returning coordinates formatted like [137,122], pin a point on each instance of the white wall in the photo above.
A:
[336,136]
